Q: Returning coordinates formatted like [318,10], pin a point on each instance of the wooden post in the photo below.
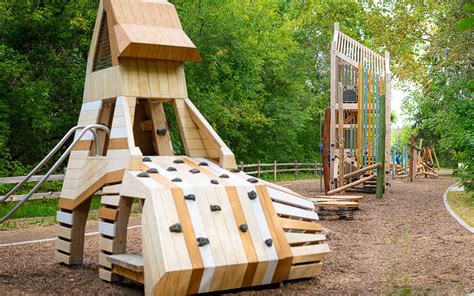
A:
[274,170]
[296,169]
[326,143]
[340,113]
[258,169]
[412,156]
[436,158]
[333,100]
[381,149]
[241,166]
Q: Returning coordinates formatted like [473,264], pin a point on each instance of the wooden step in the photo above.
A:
[129,261]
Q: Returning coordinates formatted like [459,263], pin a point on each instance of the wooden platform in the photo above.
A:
[340,197]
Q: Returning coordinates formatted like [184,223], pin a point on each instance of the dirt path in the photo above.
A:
[405,242]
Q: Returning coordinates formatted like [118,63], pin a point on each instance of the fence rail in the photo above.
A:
[251,169]
[289,167]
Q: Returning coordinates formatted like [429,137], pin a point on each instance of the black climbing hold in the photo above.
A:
[332,145]
[243,227]
[202,241]
[235,171]
[177,180]
[171,169]
[190,197]
[161,132]
[152,171]
[203,163]
[252,195]
[143,175]
[194,171]
[269,242]
[146,159]
[176,228]
[215,182]
[224,176]
[178,161]
[252,180]
[215,208]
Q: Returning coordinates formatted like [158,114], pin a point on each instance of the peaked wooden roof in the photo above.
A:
[148,29]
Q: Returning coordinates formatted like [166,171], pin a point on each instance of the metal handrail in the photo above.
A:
[91,127]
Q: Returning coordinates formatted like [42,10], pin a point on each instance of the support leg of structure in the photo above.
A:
[114,214]
[70,231]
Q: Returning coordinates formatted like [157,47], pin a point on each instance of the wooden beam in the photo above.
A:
[326,143]
[337,190]
[340,114]
[363,170]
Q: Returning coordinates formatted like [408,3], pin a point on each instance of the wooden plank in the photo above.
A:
[305,271]
[107,229]
[244,236]
[310,253]
[326,144]
[63,232]
[129,274]
[106,244]
[62,245]
[107,213]
[158,117]
[190,239]
[340,197]
[290,199]
[281,244]
[337,204]
[300,238]
[299,225]
[62,258]
[64,218]
[110,200]
[294,212]
[105,275]
[103,260]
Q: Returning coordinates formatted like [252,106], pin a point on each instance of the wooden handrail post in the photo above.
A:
[274,170]
[241,166]
[258,169]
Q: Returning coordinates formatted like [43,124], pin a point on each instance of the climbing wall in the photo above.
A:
[209,229]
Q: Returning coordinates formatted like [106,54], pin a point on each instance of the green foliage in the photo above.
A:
[264,77]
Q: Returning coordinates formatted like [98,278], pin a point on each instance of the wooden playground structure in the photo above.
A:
[415,160]
[356,136]
[206,226]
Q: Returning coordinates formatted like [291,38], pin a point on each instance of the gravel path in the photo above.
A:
[405,242]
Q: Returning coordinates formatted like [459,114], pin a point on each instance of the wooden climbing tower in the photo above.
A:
[359,114]
[205,225]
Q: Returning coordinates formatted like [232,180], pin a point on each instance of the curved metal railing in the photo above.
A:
[92,128]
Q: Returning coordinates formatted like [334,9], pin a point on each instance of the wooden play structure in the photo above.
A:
[415,160]
[206,226]
[356,135]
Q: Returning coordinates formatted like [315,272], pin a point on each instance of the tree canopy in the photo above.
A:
[264,78]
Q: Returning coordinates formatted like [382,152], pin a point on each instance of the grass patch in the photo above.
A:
[287,177]
[38,208]
[462,204]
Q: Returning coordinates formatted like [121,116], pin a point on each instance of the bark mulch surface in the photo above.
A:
[406,242]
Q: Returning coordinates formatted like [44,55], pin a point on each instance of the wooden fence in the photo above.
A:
[256,169]
[275,168]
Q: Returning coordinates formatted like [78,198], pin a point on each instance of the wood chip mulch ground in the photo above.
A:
[406,242]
